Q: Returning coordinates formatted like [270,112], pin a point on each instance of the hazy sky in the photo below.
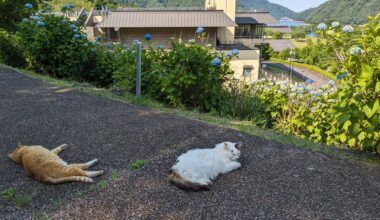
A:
[299,5]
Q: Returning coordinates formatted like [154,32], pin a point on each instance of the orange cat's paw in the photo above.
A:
[63,146]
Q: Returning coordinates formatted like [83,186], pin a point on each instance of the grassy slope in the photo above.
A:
[240,125]
[306,66]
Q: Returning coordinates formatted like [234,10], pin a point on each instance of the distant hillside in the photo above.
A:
[276,10]
[345,11]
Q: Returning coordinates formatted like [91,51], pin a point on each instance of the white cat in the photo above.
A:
[195,169]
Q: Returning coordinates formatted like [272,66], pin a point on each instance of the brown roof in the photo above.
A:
[152,19]
[260,17]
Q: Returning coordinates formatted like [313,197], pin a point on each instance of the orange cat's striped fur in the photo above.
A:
[44,165]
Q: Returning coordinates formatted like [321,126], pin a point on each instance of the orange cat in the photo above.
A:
[44,165]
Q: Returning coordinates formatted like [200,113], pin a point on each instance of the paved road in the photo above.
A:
[307,74]
[275,181]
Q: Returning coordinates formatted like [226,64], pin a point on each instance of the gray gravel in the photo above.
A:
[275,181]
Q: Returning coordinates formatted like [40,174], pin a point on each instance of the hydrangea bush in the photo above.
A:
[347,114]
[58,47]
[188,75]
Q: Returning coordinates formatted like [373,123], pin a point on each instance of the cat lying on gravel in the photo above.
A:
[195,169]
[44,165]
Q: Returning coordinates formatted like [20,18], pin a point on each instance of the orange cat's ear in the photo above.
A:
[19,145]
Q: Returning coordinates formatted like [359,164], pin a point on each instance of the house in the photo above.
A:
[266,18]
[224,30]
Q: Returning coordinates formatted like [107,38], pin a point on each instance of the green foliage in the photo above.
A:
[276,10]
[176,77]
[298,33]
[277,35]
[59,48]
[13,11]
[267,51]
[318,54]
[358,11]
[10,194]
[345,115]
[316,69]
[137,164]
[10,51]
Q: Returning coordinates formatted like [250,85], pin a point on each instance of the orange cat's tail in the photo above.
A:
[71,179]
[184,184]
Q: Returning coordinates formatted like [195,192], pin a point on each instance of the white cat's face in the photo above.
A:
[232,150]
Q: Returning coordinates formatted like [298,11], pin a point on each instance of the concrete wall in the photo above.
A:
[247,58]
[163,36]
[225,34]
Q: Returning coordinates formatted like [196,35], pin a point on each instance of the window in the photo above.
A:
[247,71]
[243,31]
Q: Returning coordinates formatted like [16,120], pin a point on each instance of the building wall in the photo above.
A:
[226,34]
[163,36]
[247,58]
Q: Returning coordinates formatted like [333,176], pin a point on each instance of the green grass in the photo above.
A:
[115,176]
[10,194]
[137,164]
[306,66]
[211,118]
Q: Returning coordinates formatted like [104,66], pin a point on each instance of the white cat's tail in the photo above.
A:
[185,184]
[71,179]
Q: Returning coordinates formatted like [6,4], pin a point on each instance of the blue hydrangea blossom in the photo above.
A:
[200,30]
[355,50]
[235,52]
[148,37]
[322,26]
[36,18]
[335,24]
[216,62]
[348,29]
[28,6]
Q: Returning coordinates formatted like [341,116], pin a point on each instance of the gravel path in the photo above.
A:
[275,181]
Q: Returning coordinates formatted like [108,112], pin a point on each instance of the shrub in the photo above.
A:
[10,51]
[188,74]
[277,35]
[55,46]
[345,115]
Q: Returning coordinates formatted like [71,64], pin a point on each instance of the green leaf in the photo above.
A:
[367,72]
[343,138]
[354,129]
[362,136]
[377,89]
[347,125]
[352,142]
[367,111]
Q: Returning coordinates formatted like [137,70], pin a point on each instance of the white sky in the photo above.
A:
[299,5]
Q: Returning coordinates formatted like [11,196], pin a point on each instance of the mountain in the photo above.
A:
[344,11]
[276,10]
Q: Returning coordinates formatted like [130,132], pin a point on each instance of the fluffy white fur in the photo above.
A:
[200,166]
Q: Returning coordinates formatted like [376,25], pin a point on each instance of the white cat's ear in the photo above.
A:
[238,145]
[226,146]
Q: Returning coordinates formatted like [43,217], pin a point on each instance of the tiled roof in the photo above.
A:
[164,19]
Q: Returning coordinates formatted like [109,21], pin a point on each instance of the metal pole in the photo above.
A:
[138,71]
